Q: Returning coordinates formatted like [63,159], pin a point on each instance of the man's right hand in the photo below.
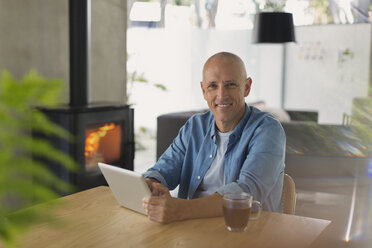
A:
[161,207]
[150,181]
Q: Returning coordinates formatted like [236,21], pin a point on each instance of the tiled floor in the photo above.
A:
[331,206]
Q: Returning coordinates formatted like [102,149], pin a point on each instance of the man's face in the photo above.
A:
[224,88]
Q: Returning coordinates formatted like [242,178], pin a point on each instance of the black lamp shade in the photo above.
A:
[273,27]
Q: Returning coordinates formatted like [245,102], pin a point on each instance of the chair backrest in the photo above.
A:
[288,195]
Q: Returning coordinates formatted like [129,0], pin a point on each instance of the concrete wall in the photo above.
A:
[108,61]
[34,35]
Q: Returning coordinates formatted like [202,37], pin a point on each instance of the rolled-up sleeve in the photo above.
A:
[156,175]
[167,169]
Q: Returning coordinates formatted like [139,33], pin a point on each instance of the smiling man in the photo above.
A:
[231,148]
[225,85]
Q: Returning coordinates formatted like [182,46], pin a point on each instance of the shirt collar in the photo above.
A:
[237,132]
[238,129]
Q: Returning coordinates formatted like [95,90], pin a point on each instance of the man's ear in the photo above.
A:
[247,86]
[202,88]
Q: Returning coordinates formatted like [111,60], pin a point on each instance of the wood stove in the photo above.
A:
[103,131]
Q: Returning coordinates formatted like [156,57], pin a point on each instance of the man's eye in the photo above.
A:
[232,84]
[212,86]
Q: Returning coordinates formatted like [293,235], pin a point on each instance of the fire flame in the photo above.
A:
[92,141]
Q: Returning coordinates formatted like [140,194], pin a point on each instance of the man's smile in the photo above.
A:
[223,105]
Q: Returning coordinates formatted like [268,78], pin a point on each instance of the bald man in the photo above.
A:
[231,148]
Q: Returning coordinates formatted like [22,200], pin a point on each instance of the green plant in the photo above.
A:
[134,77]
[276,6]
[321,12]
[142,133]
[25,181]
[361,120]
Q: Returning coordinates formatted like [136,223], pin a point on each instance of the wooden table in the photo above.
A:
[93,218]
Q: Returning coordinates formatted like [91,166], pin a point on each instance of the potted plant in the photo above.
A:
[25,181]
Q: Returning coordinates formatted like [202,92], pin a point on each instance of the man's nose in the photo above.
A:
[221,92]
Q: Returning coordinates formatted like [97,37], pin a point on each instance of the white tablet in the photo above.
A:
[129,187]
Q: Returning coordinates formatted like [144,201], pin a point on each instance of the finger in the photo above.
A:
[153,210]
[155,214]
[157,219]
[152,200]
[148,181]
[145,206]
[152,218]
[146,199]
[160,188]
[154,191]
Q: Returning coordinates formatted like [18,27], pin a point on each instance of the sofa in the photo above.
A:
[319,157]
[169,124]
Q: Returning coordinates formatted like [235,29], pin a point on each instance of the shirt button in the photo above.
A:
[198,177]
[210,156]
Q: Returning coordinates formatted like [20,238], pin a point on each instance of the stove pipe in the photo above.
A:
[79,25]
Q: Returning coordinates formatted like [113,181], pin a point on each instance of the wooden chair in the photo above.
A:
[288,195]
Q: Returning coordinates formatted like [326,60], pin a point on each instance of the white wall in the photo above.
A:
[319,77]
[165,57]
[258,60]
[175,59]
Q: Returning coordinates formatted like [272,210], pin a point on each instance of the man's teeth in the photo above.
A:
[223,105]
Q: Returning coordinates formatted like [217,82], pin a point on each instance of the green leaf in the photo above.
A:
[23,180]
[161,86]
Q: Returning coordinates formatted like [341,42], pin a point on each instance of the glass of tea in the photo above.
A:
[237,210]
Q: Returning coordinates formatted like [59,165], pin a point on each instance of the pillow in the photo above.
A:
[280,114]
[261,105]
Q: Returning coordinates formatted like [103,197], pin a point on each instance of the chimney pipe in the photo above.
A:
[79,24]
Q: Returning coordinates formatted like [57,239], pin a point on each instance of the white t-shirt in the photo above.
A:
[215,176]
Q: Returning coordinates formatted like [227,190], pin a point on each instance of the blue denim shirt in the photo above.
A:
[254,159]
